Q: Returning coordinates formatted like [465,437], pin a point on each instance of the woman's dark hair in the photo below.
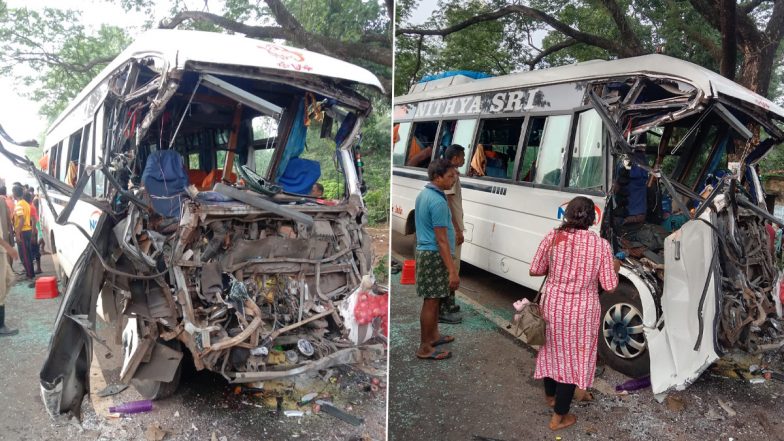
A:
[580,214]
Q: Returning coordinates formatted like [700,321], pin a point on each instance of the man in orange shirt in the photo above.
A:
[34,249]
[23,226]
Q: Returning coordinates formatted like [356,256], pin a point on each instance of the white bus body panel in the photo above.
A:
[504,223]
[674,361]
[70,242]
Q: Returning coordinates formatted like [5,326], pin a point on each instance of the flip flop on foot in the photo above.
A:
[444,339]
[436,355]
[558,422]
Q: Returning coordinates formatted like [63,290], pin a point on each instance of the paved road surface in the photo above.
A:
[487,390]
[204,404]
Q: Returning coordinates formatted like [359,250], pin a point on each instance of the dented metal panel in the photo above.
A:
[248,280]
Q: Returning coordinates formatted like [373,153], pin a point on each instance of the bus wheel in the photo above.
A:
[622,342]
[158,390]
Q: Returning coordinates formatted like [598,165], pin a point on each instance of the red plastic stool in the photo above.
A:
[409,273]
[46,288]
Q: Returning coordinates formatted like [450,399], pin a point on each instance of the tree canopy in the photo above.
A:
[55,55]
[742,41]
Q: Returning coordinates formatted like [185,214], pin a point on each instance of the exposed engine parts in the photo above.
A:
[245,291]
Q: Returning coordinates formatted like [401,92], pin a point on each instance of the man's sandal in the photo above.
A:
[444,339]
[436,355]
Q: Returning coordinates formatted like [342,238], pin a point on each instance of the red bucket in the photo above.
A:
[46,288]
[409,273]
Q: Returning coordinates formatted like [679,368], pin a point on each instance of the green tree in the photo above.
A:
[741,41]
[52,54]
[56,56]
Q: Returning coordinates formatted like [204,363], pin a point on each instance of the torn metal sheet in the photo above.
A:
[686,211]
[182,254]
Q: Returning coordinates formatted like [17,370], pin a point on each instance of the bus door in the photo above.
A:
[683,348]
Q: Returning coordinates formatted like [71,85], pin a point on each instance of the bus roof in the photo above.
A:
[178,47]
[711,83]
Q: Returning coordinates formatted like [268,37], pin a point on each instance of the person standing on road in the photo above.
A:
[7,255]
[436,274]
[575,261]
[8,221]
[455,154]
[24,230]
[35,252]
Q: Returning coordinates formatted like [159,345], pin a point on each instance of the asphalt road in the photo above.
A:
[205,406]
[486,391]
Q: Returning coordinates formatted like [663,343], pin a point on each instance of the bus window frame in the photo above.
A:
[605,154]
[411,133]
[480,125]
[469,149]
[54,159]
[524,133]
[83,150]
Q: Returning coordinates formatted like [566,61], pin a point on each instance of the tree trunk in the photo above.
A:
[729,47]
[757,67]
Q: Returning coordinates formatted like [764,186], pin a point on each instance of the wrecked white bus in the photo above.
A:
[178,199]
[667,151]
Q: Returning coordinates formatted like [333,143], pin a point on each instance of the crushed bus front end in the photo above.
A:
[687,214]
[240,266]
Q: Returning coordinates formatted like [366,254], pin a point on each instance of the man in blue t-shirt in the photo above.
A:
[436,273]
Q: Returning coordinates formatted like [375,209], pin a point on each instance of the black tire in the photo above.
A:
[622,343]
[158,390]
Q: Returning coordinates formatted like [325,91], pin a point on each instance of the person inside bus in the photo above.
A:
[71,174]
[478,162]
[576,261]
[317,190]
[24,230]
[436,274]
[420,150]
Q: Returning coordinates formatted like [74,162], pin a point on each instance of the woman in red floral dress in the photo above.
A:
[575,260]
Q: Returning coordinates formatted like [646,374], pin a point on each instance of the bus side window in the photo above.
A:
[496,148]
[549,162]
[265,135]
[54,157]
[61,152]
[71,160]
[531,148]
[86,155]
[420,146]
[586,166]
[459,132]
[400,133]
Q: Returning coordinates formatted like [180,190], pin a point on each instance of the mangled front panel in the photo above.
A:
[679,156]
[253,292]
